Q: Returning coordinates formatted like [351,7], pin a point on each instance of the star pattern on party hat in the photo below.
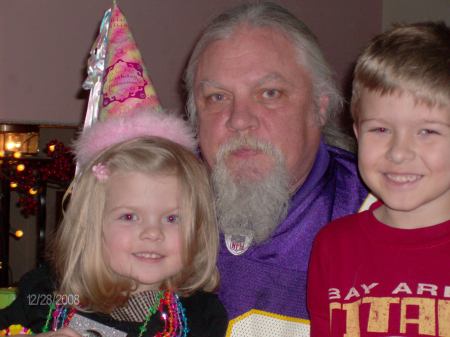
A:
[126,84]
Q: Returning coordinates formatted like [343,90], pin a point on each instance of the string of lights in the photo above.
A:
[27,175]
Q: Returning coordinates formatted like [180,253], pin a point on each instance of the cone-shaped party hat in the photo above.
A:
[122,104]
[126,85]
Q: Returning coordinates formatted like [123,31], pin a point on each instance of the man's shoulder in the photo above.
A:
[349,187]
[343,165]
[343,159]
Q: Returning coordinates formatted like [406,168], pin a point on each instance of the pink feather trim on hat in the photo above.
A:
[104,134]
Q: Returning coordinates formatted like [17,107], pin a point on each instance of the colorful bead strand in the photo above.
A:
[167,304]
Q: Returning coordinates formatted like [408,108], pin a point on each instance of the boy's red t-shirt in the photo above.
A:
[369,279]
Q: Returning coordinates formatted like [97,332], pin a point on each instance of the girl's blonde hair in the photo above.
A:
[77,254]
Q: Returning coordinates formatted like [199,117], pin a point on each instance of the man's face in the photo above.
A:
[251,85]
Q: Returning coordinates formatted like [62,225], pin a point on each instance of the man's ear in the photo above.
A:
[355,129]
[324,101]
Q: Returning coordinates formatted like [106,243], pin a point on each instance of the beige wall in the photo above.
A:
[44,46]
[409,11]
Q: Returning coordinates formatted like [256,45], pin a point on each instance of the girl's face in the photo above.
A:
[142,237]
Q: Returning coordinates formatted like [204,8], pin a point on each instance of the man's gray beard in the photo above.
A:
[249,207]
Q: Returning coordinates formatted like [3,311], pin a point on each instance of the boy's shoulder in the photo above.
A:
[345,228]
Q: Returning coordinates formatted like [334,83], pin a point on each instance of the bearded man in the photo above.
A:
[262,98]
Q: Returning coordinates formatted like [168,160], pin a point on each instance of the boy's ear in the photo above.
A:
[355,129]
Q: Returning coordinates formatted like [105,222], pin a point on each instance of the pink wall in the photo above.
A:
[44,46]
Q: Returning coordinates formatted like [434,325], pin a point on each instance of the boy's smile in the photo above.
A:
[403,178]
[404,158]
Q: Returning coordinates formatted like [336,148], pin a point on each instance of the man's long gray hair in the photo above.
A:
[249,207]
[268,14]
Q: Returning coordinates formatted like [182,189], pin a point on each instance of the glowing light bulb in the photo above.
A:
[20,167]
[18,233]
[10,146]
[13,184]
[17,154]
[51,148]
[2,154]
[32,191]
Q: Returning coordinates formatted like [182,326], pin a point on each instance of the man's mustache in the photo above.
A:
[245,142]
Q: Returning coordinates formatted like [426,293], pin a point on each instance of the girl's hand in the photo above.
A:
[65,332]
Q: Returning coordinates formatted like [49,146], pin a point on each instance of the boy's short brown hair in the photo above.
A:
[413,58]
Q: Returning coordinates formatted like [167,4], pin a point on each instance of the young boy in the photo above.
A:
[386,271]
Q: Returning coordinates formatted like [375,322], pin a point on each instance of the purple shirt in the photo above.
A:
[271,277]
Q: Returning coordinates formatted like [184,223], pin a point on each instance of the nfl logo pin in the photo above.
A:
[238,244]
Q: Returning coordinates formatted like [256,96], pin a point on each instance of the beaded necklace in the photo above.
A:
[167,303]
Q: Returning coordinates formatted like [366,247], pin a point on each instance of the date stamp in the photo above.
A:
[56,299]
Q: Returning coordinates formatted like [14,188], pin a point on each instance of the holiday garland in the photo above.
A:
[56,169]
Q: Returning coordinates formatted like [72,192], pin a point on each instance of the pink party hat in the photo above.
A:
[129,107]
[157,123]
[126,85]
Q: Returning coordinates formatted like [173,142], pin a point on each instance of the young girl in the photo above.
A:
[135,254]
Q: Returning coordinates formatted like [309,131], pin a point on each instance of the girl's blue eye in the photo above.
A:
[128,217]
[172,218]
[428,132]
